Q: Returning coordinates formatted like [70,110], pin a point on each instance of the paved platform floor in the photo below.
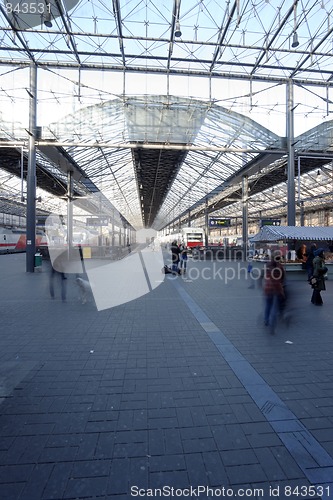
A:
[182,393]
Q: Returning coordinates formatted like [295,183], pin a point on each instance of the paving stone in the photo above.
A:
[175,479]
[119,478]
[58,480]
[11,491]
[239,457]
[38,481]
[15,473]
[251,473]
[167,463]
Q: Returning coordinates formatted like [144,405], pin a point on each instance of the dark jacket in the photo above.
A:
[175,251]
[309,258]
[319,271]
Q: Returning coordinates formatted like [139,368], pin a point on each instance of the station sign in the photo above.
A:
[219,222]
[270,222]
[97,221]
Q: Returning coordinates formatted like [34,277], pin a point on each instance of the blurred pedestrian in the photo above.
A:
[274,292]
[183,258]
[58,275]
[309,260]
[61,278]
[249,273]
[175,252]
[318,279]
[302,254]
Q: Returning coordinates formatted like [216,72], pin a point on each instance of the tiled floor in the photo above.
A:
[181,393]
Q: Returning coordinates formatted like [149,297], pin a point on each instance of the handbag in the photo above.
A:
[313,282]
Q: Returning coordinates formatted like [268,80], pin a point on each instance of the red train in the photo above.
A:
[15,240]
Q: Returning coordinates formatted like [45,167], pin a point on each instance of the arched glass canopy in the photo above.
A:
[152,119]
[154,157]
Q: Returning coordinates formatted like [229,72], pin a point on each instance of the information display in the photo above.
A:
[97,221]
[219,222]
[270,222]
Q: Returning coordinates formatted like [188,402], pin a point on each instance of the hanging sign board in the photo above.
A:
[270,222]
[97,221]
[219,222]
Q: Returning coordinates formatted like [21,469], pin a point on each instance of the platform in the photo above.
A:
[183,389]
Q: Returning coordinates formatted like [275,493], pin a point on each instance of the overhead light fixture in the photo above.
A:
[178,33]
[47,14]
[295,40]
[47,19]
[295,37]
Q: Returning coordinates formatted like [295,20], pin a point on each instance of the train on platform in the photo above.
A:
[14,240]
[191,237]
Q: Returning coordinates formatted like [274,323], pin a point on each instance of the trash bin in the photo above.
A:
[86,252]
[38,261]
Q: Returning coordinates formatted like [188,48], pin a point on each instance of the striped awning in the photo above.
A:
[288,233]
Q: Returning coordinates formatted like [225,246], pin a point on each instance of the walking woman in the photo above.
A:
[274,280]
[319,270]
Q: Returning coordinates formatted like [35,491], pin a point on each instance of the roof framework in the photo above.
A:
[236,38]
[159,158]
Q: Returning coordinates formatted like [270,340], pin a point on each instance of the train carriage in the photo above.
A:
[15,240]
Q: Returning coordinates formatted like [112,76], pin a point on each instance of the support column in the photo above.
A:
[69,212]
[301,205]
[291,212]
[31,174]
[112,230]
[206,223]
[245,195]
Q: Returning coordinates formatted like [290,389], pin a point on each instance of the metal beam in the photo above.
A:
[269,46]
[149,70]
[179,147]
[223,33]
[174,19]
[68,31]
[117,15]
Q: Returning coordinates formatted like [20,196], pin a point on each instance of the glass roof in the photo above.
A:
[195,86]
[178,123]
[274,39]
